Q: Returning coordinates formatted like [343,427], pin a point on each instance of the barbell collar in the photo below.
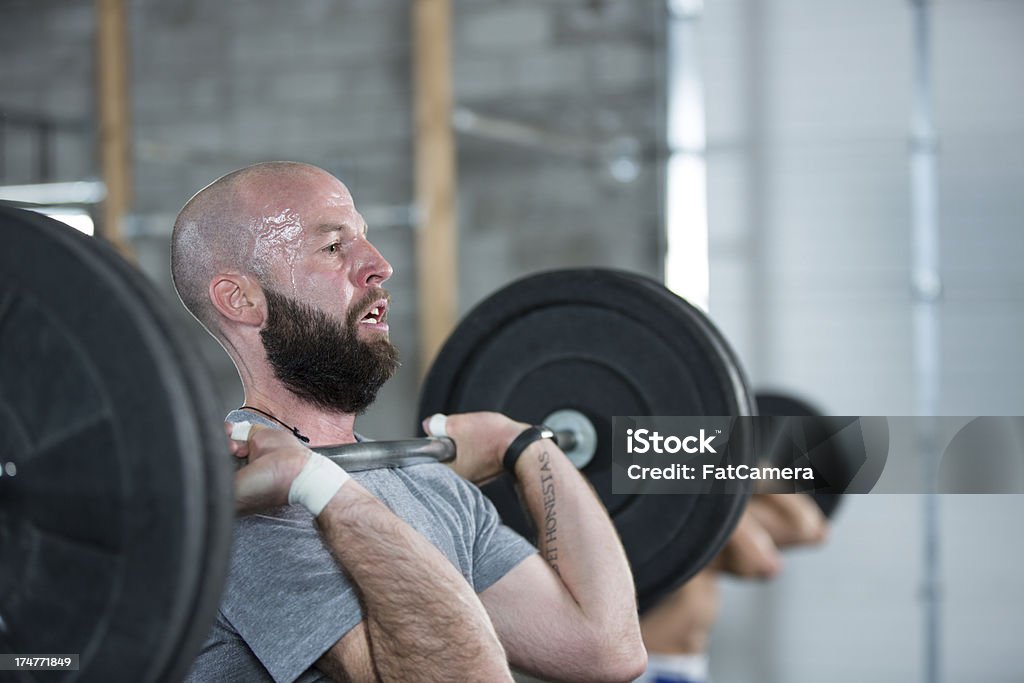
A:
[565,438]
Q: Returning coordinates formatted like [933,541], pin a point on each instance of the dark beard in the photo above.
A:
[322,361]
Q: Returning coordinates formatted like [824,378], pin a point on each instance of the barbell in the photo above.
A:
[115,531]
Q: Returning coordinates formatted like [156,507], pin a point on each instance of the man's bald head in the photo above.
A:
[217,230]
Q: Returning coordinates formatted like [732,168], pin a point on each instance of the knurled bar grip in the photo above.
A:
[369,455]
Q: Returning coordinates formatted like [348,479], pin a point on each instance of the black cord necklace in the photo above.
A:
[293,430]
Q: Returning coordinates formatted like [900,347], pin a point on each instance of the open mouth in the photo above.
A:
[376,314]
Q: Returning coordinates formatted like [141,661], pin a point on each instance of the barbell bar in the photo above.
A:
[575,436]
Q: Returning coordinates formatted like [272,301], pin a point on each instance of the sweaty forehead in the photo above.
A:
[286,211]
[306,191]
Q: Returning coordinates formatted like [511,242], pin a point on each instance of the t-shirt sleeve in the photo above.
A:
[496,548]
[287,597]
[226,659]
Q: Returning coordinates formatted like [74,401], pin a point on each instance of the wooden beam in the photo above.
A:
[113,112]
[435,176]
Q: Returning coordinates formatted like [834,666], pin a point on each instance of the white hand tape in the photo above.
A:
[317,483]
[240,431]
[437,426]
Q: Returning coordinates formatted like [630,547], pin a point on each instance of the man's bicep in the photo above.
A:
[349,659]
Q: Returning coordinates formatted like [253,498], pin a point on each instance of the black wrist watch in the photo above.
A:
[519,444]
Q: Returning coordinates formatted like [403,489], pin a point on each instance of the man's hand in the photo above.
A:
[481,440]
[275,458]
[792,519]
[750,552]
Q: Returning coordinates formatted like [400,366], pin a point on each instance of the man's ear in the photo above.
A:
[239,298]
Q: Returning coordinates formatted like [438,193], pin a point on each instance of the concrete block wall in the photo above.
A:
[575,70]
[46,69]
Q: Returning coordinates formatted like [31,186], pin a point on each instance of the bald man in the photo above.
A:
[389,574]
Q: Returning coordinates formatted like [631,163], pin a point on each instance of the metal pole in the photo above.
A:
[686,220]
[927,293]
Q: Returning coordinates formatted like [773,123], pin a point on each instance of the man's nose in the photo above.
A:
[374,268]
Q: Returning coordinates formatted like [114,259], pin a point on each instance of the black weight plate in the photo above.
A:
[212,571]
[746,405]
[781,453]
[106,529]
[603,343]
[735,377]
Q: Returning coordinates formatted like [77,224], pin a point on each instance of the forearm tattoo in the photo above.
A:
[550,530]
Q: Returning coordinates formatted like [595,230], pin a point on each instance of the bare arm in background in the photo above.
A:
[680,622]
[792,519]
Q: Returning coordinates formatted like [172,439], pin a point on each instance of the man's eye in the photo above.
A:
[333,248]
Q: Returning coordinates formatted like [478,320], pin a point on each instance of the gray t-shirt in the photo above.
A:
[287,601]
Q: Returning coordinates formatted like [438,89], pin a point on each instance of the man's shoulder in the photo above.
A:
[438,477]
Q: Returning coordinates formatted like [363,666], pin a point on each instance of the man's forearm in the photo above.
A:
[577,539]
[423,619]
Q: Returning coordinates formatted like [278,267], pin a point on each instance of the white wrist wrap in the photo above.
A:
[240,431]
[317,483]
[437,426]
